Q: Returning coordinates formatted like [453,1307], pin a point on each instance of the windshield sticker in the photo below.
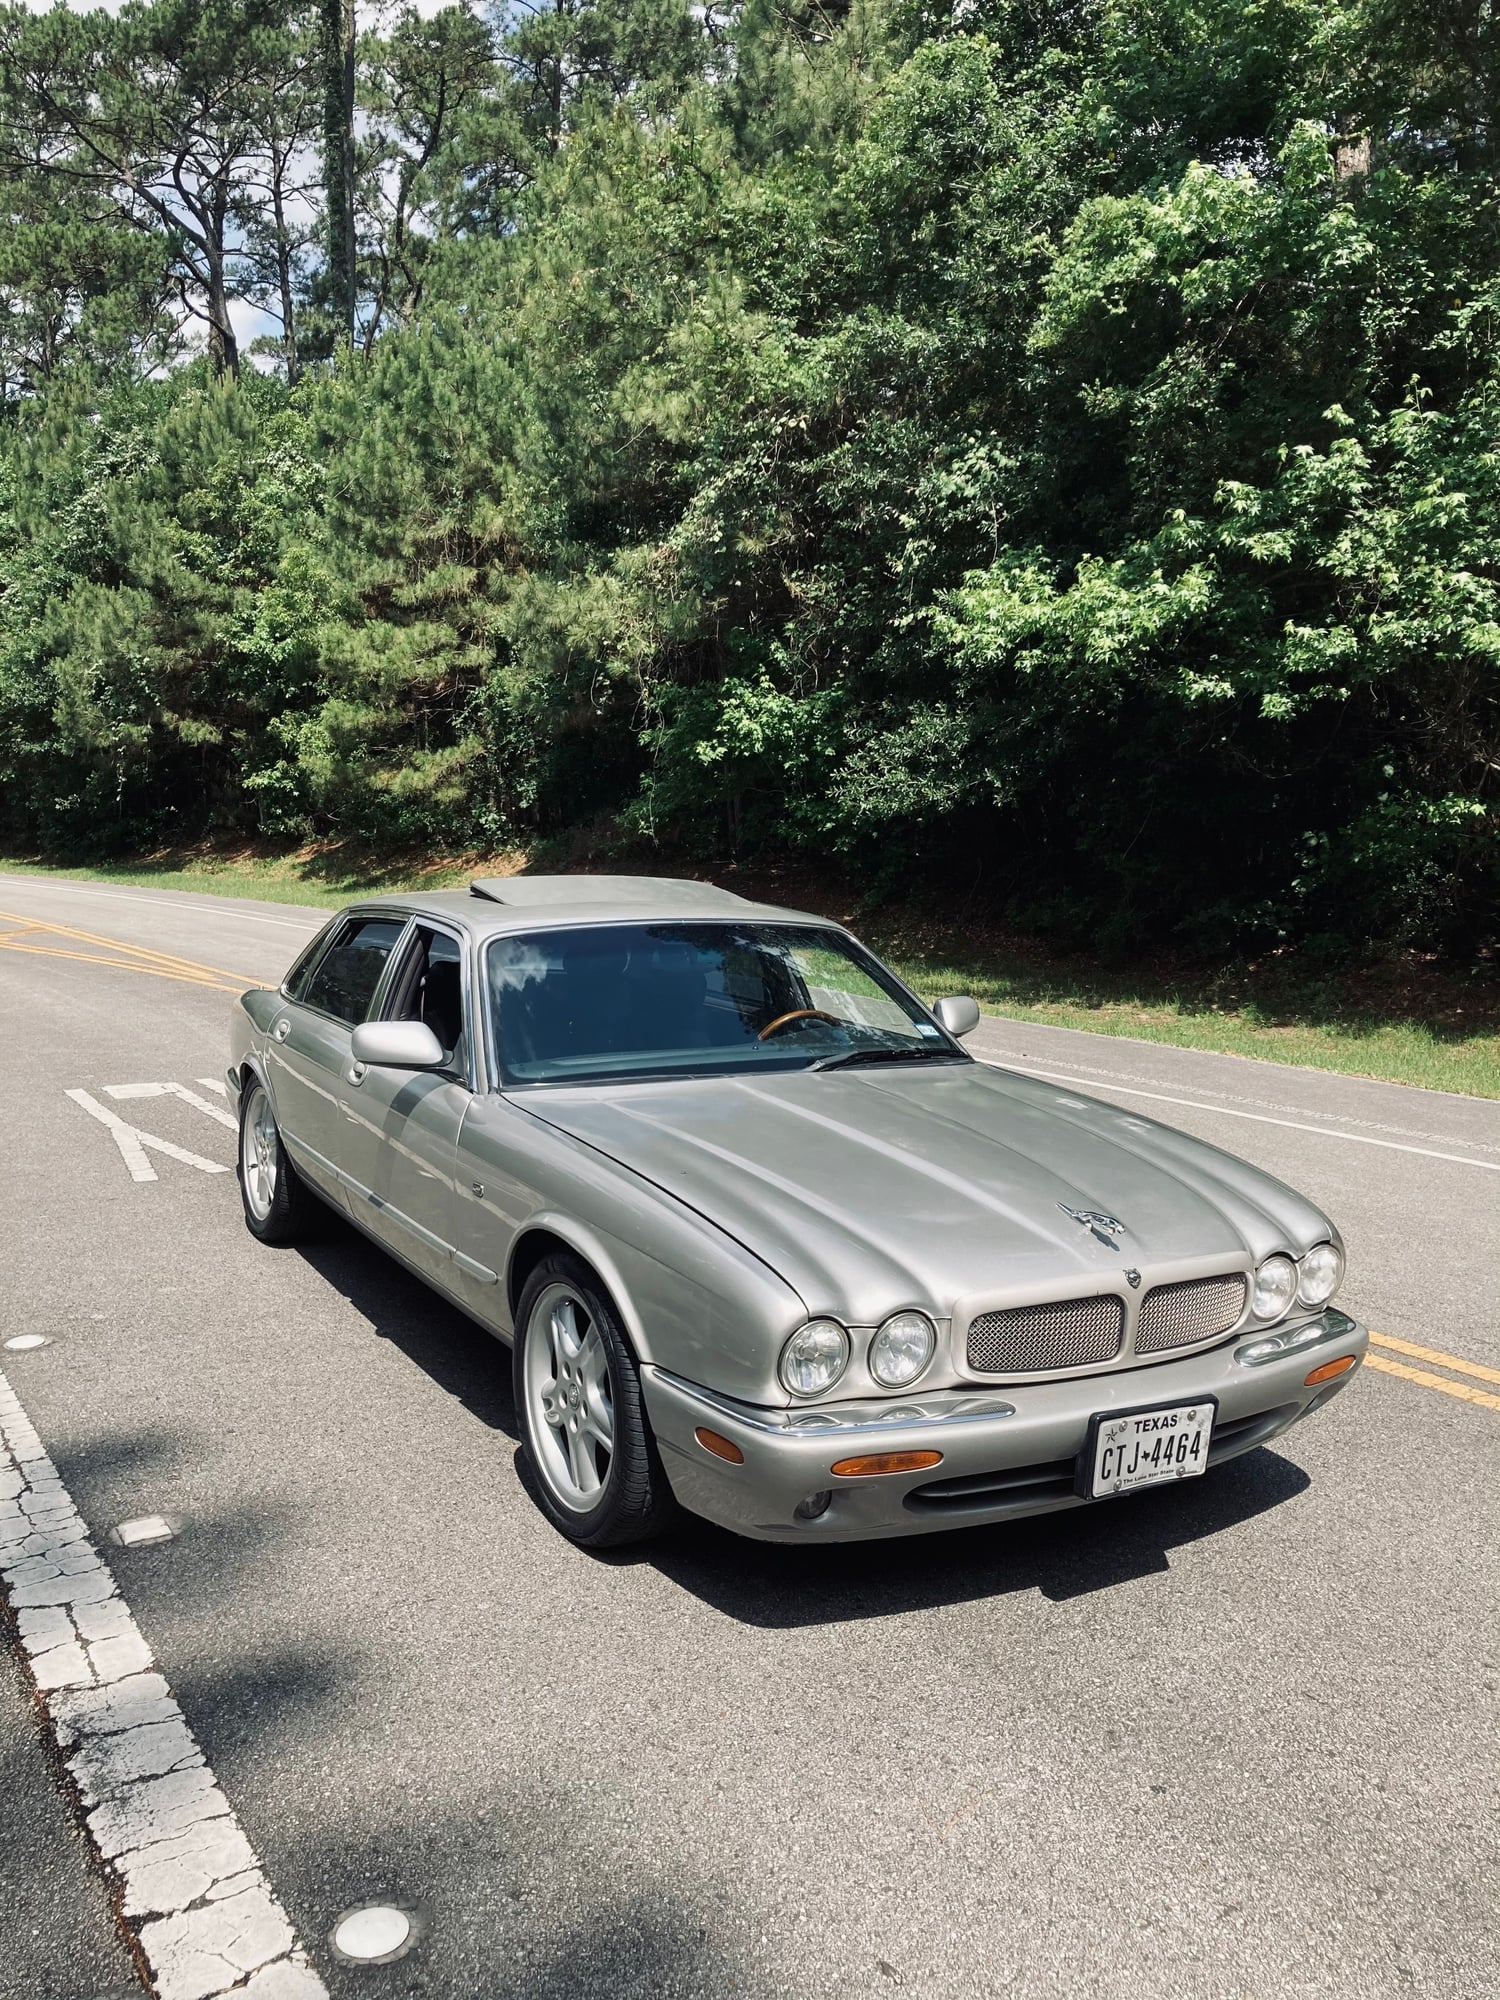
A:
[925,1028]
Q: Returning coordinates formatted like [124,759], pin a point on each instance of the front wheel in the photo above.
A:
[578,1393]
[279,1208]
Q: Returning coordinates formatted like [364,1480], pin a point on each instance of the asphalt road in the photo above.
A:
[1229,1739]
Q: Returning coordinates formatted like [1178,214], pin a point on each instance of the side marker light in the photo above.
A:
[1330,1371]
[885,1461]
[721,1447]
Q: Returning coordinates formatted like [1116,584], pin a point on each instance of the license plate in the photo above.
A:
[1132,1448]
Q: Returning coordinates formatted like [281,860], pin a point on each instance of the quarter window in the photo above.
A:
[349,971]
[301,971]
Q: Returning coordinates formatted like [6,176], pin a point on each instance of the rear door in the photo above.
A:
[307,1051]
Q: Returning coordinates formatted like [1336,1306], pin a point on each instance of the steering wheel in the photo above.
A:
[797,1014]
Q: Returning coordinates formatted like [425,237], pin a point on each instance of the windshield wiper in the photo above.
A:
[852,1056]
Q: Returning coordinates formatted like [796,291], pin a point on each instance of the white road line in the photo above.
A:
[221,909]
[189,1885]
[1256,1117]
[132,1142]
[213,1083]
[1123,1076]
[130,1090]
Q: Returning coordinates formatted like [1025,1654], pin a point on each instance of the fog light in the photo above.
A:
[1260,1350]
[1330,1371]
[810,1508]
[1306,1336]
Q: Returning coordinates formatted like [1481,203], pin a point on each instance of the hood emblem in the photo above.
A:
[1103,1228]
[1133,1279]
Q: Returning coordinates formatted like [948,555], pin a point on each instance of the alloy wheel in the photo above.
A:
[258,1153]
[570,1399]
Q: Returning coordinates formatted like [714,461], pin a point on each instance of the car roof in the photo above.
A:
[492,906]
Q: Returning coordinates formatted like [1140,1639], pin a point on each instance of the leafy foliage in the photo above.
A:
[1052,443]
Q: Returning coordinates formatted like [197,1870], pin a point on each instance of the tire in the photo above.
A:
[596,1471]
[279,1206]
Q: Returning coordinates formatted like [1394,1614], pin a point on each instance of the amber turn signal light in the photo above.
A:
[1329,1372]
[885,1461]
[721,1447]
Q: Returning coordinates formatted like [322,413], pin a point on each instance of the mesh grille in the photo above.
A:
[1179,1315]
[1027,1339]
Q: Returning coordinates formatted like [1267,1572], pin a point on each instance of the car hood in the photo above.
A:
[870,1189]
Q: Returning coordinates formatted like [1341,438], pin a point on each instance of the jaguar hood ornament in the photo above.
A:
[1103,1228]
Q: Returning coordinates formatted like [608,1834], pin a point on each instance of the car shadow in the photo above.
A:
[1060,1556]
[453,1350]
[783,1586]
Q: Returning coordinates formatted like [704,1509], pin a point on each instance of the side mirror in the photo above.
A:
[397,1045]
[959,1016]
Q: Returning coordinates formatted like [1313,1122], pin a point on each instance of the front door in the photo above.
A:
[400,1143]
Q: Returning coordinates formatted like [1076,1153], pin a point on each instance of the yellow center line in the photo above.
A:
[1427,1380]
[147,953]
[122,965]
[1415,1353]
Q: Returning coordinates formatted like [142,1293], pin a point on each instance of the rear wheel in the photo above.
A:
[279,1207]
[578,1393]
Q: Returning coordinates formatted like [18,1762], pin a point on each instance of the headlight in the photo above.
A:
[815,1357]
[1320,1274]
[902,1349]
[1275,1287]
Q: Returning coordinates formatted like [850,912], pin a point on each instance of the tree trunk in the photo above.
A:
[284,270]
[223,348]
[337,29]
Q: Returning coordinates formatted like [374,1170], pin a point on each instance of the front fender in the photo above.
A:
[698,1306]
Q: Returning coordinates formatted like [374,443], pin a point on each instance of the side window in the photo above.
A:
[430,989]
[344,981]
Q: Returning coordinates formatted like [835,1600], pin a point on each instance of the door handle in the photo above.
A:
[282,1029]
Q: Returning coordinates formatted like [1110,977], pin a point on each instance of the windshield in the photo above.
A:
[621,1000]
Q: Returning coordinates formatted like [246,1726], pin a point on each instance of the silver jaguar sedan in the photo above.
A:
[766,1242]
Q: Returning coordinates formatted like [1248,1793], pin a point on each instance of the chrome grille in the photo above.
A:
[1181,1315]
[1028,1339]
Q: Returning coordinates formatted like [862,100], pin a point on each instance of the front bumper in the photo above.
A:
[1006,1452]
